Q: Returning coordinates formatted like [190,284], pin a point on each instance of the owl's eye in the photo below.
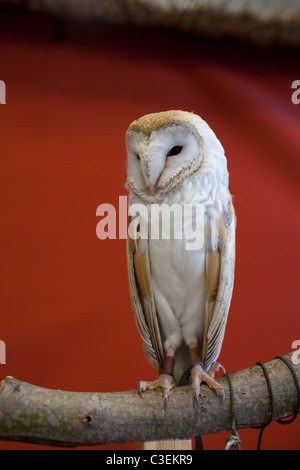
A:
[138,157]
[175,150]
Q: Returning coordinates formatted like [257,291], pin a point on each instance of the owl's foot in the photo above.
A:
[164,381]
[198,376]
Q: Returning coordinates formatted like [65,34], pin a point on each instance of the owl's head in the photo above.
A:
[166,148]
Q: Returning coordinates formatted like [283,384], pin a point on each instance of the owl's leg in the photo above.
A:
[198,375]
[165,380]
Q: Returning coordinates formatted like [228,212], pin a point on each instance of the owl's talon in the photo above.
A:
[198,376]
[140,389]
[164,381]
[215,368]
[196,395]
[166,397]
[221,393]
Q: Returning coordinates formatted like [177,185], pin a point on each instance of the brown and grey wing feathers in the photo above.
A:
[142,301]
[219,286]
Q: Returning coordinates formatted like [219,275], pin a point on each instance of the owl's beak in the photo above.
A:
[152,188]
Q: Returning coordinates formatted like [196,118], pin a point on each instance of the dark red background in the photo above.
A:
[65,311]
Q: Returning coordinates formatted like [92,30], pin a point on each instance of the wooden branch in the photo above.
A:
[60,418]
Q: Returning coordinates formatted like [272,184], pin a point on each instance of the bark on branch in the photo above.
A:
[54,417]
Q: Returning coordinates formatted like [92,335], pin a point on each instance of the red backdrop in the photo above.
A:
[65,311]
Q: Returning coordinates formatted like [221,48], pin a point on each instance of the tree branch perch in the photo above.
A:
[60,418]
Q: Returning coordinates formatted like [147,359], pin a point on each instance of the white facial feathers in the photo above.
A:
[151,153]
[153,173]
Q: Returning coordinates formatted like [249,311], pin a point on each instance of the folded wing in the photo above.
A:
[142,300]
[219,285]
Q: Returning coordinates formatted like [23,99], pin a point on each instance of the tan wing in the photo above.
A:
[142,300]
[219,285]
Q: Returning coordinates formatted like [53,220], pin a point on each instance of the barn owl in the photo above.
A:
[180,298]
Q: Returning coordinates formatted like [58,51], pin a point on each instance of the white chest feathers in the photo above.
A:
[176,244]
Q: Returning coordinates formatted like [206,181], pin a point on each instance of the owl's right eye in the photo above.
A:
[138,157]
[175,150]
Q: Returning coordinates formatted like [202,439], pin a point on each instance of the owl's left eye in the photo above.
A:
[175,150]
